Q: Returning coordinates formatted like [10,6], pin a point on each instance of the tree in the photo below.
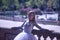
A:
[58,4]
[39,3]
[0,2]
[16,3]
[22,1]
[7,4]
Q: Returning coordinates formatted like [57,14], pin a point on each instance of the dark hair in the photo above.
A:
[29,14]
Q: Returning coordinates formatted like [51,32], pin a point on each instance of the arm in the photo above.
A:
[43,28]
[20,27]
[37,25]
[23,24]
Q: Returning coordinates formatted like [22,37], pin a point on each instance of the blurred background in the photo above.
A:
[48,11]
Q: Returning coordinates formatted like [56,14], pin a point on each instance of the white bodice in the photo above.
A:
[28,26]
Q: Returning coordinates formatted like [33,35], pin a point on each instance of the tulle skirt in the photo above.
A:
[25,36]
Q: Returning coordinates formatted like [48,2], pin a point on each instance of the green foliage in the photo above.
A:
[16,3]
[7,3]
[51,3]
[22,1]
[0,3]
[34,2]
[57,3]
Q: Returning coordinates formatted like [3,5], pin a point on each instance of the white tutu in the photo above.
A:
[25,36]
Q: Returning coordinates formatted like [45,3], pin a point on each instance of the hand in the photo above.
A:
[52,30]
[44,29]
[16,28]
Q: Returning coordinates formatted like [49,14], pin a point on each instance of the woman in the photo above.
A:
[28,26]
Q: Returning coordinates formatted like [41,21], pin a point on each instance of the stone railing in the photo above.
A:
[45,34]
[9,34]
